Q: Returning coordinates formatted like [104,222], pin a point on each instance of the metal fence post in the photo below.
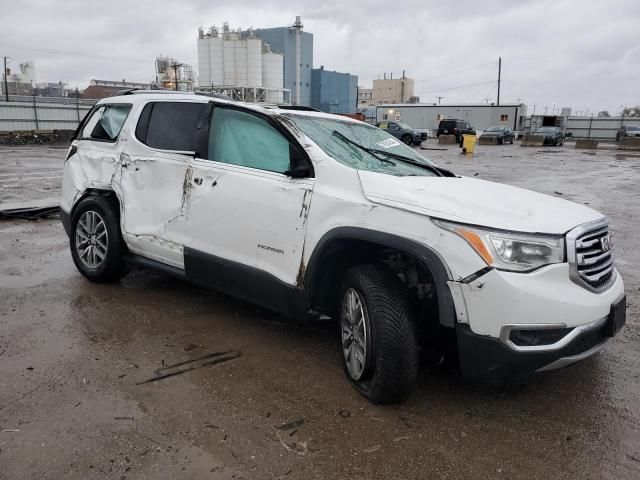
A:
[35,112]
[78,105]
[590,123]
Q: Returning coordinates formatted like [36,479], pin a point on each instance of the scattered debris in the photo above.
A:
[345,413]
[77,405]
[30,213]
[123,418]
[3,351]
[557,193]
[290,425]
[190,347]
[189,365]
[10,430]
[405,420]
[399,439]
[291,428]
[375,448]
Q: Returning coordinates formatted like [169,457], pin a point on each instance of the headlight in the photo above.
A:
[516,252]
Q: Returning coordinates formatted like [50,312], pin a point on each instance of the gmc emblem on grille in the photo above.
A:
[605,243]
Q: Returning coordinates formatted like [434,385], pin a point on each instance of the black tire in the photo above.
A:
[406,139]
[112,266]
[511,141]
[390,369]
[500,141]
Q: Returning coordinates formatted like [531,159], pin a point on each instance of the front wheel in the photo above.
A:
[95,240]
[511,141]
[379,346]
[406,139]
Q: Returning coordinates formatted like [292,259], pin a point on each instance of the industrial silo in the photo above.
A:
[273,74]
[204,60]
[229,62]
[254,62]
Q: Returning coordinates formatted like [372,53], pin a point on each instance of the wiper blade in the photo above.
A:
[410,161]
[362,147]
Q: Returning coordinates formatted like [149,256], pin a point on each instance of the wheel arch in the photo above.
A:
[345,246]
[86,193]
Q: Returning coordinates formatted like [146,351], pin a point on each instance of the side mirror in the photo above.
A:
[299,164]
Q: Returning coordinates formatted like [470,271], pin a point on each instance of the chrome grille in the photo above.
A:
[590,256]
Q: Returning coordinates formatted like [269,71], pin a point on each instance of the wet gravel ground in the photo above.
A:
[72,354]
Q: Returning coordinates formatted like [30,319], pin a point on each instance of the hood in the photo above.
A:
[492,134]
[477,202]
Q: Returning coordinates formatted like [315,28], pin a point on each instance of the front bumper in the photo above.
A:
[489,359]
[492,305]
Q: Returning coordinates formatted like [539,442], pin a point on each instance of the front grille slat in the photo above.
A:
[594,259]
[584,260]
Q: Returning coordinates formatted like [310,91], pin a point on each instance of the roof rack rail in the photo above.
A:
[212,94]
[302,108]
[141,91]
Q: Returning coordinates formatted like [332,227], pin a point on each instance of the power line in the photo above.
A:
[456,88]
[82,55]
[455,73]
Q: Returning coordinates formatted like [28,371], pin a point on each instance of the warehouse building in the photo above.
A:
[480,116]
[392,90]
[333,92]
[285,40]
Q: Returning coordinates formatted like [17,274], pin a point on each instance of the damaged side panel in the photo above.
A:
[155,192]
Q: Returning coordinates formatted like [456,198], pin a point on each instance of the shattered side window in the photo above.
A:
[109,122]
[241,138]
[320,130]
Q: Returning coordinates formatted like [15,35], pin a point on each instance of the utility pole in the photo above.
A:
[175,67]
[439,98]
[6,88]
[499,73]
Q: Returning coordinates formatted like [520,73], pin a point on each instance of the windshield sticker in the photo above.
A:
[388,143]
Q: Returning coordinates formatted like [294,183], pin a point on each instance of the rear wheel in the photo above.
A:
[511,141]
[378,339]
[406,139]
[95,240]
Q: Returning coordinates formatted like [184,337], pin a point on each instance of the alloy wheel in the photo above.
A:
[92,241]
[355,326]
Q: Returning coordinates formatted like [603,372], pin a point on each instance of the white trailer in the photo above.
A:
[481,116]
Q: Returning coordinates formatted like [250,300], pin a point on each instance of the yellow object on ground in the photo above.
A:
[468,143]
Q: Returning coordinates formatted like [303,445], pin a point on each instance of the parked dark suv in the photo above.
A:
[451,126]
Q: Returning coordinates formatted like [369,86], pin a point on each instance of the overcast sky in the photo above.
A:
[577,53]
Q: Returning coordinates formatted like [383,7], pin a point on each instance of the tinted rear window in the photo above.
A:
[179,126]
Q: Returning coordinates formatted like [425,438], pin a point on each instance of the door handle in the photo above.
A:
[197,181]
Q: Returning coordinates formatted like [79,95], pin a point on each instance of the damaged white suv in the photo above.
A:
[315,215]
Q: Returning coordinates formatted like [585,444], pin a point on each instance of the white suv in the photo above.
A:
[316,215]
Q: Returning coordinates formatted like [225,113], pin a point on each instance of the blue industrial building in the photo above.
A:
[283,40]
[333,92]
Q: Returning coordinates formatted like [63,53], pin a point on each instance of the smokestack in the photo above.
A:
[298,28]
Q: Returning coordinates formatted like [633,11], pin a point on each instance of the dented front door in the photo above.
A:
[248,216]
[153,188]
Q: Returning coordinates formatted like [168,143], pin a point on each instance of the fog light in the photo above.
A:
[535,337]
